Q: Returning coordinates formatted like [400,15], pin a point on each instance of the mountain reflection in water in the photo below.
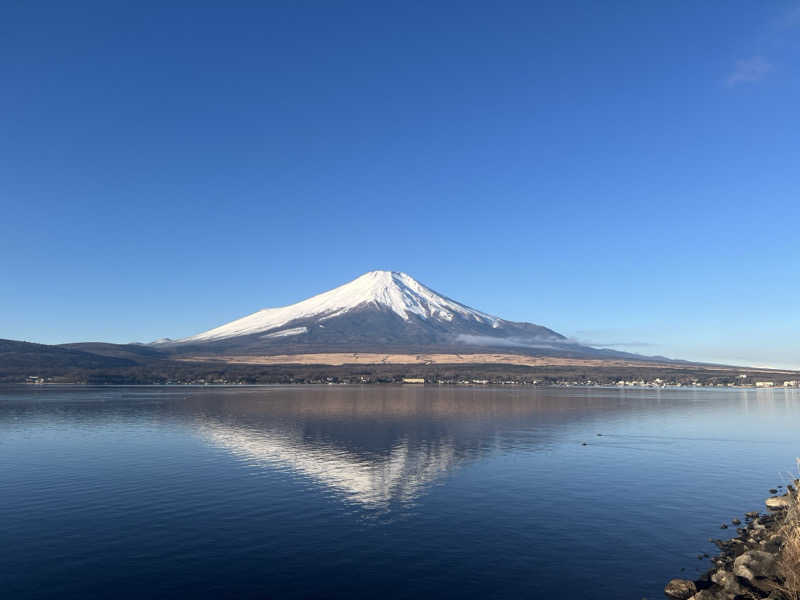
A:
[377,445]
[369,479]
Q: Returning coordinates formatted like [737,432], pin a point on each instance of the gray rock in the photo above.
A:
[767,518]
[758,568]
[737,548]
[773,544]
[706,595]
[680,589]
[778,503]
[728,582]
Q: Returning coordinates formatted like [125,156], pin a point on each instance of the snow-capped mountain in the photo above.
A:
[381,311]
[390,291]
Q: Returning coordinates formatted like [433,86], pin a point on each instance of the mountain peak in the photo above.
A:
[384,279]
[403,295]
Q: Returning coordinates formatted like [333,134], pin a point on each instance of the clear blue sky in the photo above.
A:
[625,173]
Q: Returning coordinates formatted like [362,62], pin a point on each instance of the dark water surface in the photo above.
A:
[385,492]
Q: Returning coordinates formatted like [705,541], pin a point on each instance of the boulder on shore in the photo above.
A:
[680,589]
[728,582]
[778,502]
[759,568]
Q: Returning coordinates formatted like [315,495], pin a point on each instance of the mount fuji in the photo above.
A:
[380,311]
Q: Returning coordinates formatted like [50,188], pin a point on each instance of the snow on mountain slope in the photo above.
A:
[397,292]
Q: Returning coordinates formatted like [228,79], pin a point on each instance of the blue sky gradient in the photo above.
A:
[625,173]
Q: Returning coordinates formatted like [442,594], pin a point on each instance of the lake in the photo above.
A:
[386,492]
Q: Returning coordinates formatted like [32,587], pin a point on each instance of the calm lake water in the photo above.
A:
[385,492]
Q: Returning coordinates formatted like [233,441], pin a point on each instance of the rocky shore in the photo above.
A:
[758,563]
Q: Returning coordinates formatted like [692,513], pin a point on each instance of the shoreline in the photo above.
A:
[752,564]
[470,384]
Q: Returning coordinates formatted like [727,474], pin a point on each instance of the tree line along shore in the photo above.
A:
[177,372]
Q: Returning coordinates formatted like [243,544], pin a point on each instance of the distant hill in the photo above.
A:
[19,361]
[134,352]
[16,356]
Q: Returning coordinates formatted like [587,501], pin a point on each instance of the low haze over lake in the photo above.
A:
[402,492]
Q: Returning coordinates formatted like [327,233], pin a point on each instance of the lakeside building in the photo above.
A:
[764,384]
